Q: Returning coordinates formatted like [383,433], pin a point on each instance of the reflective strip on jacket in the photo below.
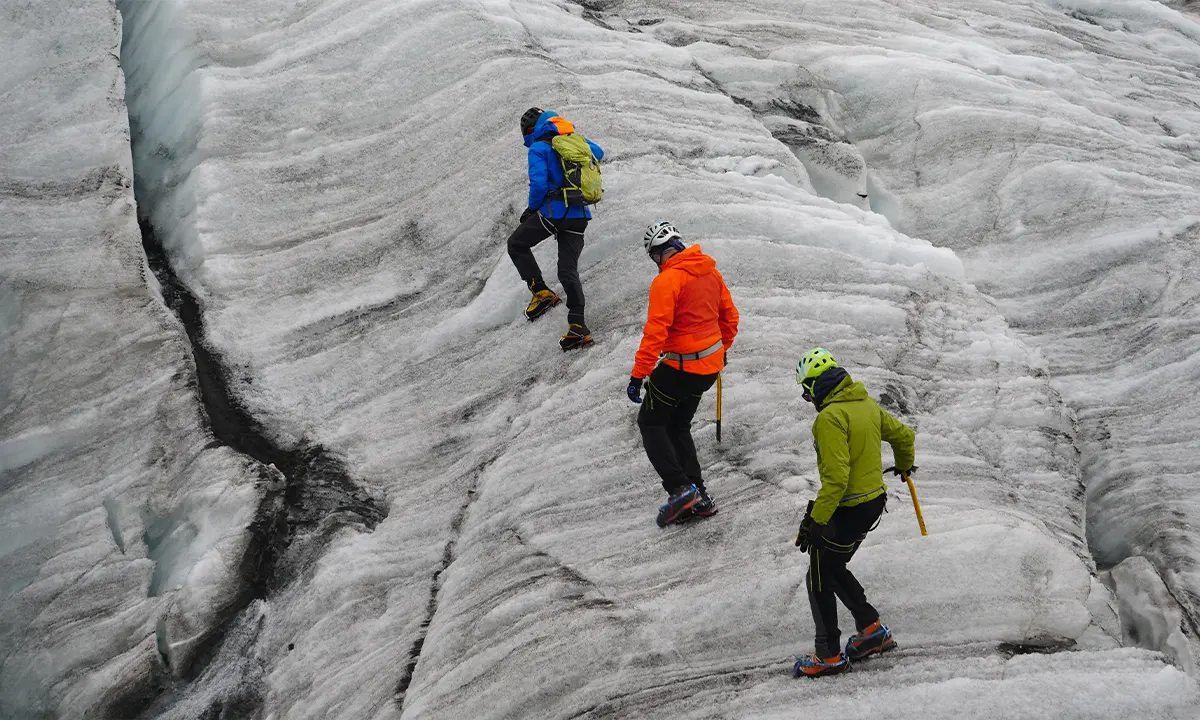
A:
[546,170]
[847,434]
[690,310]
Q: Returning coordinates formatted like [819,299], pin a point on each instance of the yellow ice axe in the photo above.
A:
[718,407]
[912,490]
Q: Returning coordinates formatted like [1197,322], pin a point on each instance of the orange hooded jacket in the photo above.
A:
[690,310]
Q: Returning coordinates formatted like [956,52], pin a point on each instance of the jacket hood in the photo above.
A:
[548,124]
[691,261]
[836,385]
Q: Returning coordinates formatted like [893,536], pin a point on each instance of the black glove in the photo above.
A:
[529,212]
[805,535]
[901,473]
[634,390]
[810,533]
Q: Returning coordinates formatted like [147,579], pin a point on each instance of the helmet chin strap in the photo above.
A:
[672,244]
[668,252]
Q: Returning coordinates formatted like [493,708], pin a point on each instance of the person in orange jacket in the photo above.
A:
[690,323]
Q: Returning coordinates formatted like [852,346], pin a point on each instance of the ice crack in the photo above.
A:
[435,584]
[307,493]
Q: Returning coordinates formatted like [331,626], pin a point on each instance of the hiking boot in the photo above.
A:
[542,301]
[874,638]
[678,506]
[577,336]
[813,666]
[705,507]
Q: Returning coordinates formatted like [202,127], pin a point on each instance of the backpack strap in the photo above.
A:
[546,140]
[563,164]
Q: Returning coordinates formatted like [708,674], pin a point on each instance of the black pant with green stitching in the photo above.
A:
[829,580]
[665,420]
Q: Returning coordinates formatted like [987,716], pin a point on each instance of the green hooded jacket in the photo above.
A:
[847,434]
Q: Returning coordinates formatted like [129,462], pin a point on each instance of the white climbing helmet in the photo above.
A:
[659,234]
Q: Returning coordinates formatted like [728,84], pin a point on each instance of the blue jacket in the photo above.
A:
[546,171]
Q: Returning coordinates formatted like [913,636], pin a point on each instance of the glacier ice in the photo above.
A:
[98,416]
[333,184]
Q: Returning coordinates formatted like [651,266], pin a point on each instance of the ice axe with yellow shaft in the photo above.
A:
[718,407]
[912,491]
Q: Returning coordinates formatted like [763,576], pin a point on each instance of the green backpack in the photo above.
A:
[581,170]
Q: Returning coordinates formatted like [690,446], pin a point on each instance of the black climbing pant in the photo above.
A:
[569,233]
[829,580]
[665,420]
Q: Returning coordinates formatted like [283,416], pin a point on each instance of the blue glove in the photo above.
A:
[634,391]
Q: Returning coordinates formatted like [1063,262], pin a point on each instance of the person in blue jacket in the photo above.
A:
[547,213]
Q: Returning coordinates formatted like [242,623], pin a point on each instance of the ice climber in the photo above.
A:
[551,210]
[690,323]
[847,433]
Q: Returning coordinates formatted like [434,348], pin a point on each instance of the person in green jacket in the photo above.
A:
[847,433]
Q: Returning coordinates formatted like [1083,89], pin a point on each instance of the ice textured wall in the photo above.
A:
[110,496]
[350,262]
[1057,156]
[161,59]
[1053,147]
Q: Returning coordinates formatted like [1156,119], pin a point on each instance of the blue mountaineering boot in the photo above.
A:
[813,666]
[705,507]
[874,638]
[678,505]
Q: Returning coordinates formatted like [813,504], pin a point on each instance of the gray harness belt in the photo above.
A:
[693,356]
[846,498]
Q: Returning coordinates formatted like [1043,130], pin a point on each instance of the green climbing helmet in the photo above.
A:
[812,364]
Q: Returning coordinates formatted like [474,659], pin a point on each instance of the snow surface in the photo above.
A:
[987,212]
